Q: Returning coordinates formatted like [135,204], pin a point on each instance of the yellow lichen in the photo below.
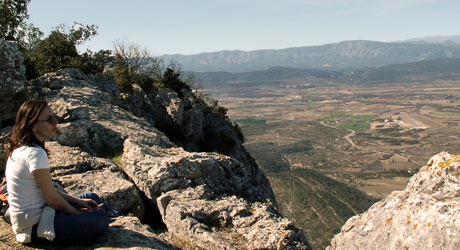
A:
[415,226]
[444,164]
[388,221]
[406,247]
[429,224]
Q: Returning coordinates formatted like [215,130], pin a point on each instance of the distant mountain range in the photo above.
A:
[334,56]
[453,40]
[444,67]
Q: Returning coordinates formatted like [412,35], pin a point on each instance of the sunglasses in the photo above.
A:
[51,119]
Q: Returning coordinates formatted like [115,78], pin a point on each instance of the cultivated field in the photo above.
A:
[313,137]
[373,137]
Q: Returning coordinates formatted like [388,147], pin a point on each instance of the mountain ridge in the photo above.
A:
[333,56]
[446,67]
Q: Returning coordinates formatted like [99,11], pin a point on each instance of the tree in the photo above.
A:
[53,53]
[133,64]
[78,33]
[92,63]
[28,36]
[59,50]
[12,14]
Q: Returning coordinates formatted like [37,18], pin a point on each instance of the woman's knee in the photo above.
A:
[90,195]
[99,221]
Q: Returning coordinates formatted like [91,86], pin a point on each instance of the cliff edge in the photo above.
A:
[144,154]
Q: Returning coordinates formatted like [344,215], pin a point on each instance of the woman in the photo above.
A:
[37,210]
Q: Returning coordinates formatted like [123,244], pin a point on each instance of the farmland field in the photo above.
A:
[371,137]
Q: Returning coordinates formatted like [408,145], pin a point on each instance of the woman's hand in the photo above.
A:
[87,205]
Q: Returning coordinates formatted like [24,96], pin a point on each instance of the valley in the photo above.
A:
[312,136]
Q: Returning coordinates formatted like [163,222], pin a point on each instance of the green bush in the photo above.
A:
[12,14]
[172,81]
[59,51]
[53,53]
[92,63]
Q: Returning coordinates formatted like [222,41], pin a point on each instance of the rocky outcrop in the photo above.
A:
[12,80]
[226,221]
[426,215]
[12,89]
[79,172]
[112,147]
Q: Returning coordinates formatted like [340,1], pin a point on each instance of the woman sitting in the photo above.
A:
[38,211]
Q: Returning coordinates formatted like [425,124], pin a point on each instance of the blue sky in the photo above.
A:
[195,26]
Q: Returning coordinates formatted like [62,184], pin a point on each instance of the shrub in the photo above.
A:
[59,50]
[12,14]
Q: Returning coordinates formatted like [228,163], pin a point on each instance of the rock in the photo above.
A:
[91,119]
[208,221]
[173,105]
[156,170]
[124,233]
[426,215]
[130,233]
[12,76]
[105,82]
[78,172]
[12,89]
[74,133]
[97,125]
[12,81]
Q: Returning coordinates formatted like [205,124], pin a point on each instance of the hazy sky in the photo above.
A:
[195,26]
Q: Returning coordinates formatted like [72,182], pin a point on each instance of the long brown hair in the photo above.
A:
[22,133]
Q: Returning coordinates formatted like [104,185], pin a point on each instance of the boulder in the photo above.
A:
[426,215]
[12,70]
[173,104]
[12,89]
[210,221]
[78,172]
[157,170]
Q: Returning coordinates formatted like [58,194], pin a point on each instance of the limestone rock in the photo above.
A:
[97,124]
[156,170]
[90,118]
[426,215]
[12,69]
[130,233]
[79,172]
[173,105]
[12,81]
[199,216]
[124,233]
